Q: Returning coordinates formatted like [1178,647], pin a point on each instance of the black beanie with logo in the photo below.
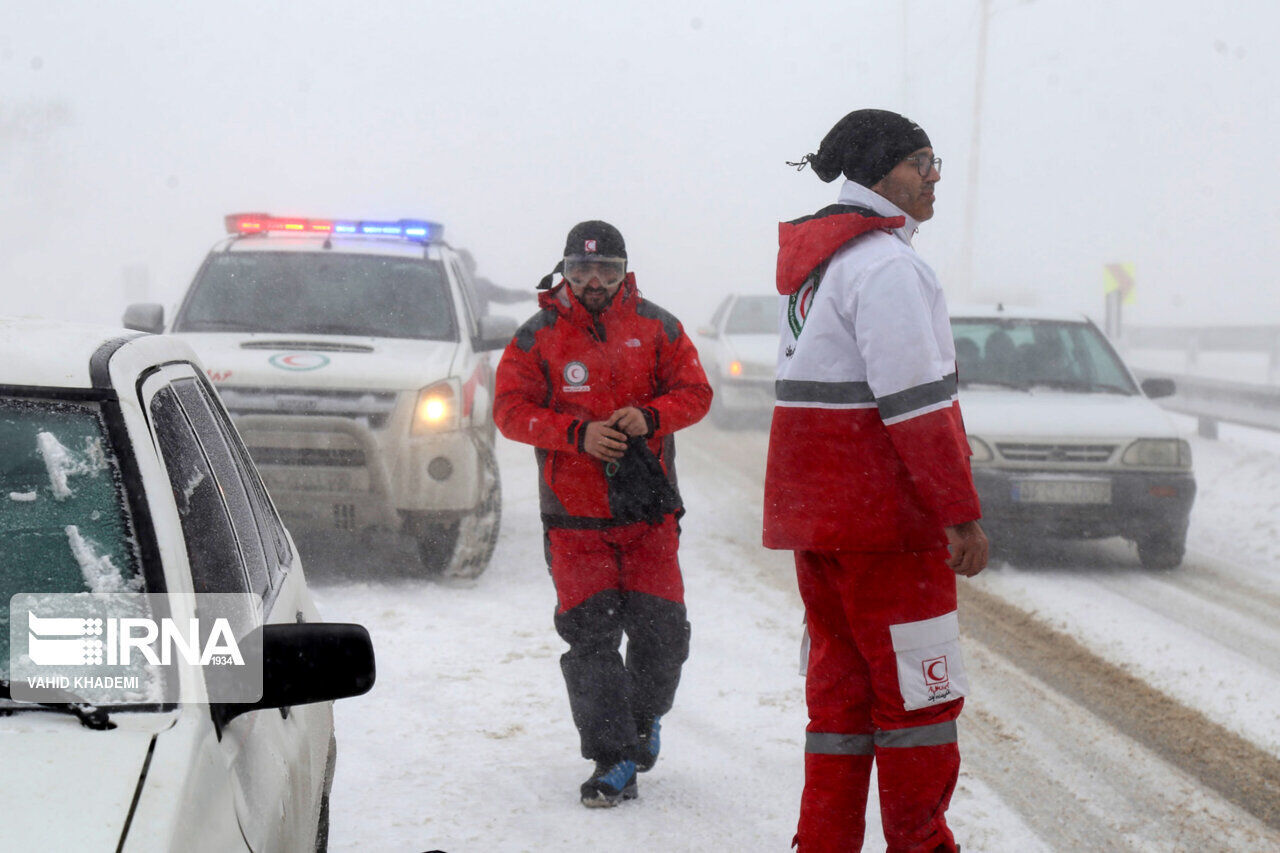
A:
[594,237]
[865,146]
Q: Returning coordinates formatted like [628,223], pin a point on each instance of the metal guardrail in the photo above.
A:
[1207,398]
[1193,340]
[1212,400]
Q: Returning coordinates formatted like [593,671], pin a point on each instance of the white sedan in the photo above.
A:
[1066,442]
[121,475]
[739,350]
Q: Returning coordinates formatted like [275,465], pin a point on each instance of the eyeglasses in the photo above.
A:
[925,165]
[609,271]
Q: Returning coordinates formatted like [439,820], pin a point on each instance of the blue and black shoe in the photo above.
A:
[610,784]
[648,742]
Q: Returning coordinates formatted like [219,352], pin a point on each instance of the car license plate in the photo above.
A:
[1062,491]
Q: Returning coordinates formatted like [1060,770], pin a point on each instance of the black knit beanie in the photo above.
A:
[865,146]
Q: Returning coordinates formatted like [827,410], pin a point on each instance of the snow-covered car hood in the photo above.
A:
[322,361]
[1058,414]
[755,349]
[68,787]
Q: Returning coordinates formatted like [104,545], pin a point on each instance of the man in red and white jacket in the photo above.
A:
[868,482]
[598,382]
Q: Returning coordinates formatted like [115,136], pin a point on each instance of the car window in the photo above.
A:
[467,285]
[721,310]
[1026,352]
[214,554]
[65,526]
[753,315]
[231,482]
[278,552]
[320,293]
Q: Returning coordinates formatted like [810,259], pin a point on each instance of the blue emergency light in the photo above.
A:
[260,223]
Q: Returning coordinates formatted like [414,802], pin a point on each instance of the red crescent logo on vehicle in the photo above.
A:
[299,360]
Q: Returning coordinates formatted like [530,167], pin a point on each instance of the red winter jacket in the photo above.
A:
[566,368]
[867,451]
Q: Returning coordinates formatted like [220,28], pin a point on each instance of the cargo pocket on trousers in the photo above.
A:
[930,669]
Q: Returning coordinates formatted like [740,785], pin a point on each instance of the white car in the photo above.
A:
[120,470]
[1065,441]
[739,350]
[354,359]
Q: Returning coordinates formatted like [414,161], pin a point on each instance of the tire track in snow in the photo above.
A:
[1238,771]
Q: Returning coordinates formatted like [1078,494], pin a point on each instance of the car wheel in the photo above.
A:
[477,533]
[1162,551]
[436,545]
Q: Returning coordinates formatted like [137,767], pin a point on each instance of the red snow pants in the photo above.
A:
[884,683]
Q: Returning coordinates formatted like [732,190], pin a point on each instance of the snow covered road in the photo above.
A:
[465,744]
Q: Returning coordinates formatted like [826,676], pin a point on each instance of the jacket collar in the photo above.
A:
[854,193]
[559,299]
[805,244]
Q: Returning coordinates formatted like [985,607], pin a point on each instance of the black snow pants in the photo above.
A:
[612,699]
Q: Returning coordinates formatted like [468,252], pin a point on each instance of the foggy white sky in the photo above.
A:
[1112,131]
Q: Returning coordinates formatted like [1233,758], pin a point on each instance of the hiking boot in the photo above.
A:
[648,742]
[610,784]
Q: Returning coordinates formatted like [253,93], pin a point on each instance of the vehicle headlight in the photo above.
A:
[436,409]
[738,369]
[1158,453]
[981,452]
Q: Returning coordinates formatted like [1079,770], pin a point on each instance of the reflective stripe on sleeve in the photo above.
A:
[931,395]
[936,734]
[834,743]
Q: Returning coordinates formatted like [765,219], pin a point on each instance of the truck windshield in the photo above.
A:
[322,293]
[1025,353]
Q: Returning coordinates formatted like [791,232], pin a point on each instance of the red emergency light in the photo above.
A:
[260,223]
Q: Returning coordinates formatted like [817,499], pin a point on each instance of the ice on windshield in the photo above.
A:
[65,527]
[321,293]
[1026,353]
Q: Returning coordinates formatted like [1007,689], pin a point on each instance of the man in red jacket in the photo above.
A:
[868,482]
[598,382]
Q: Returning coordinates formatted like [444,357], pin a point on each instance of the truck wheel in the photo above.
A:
[436,545]
[477,533]
[1162,551]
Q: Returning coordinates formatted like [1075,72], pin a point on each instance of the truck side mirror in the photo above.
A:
[495,332]
[145,317]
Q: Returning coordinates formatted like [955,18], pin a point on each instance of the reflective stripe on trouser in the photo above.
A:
[856,706]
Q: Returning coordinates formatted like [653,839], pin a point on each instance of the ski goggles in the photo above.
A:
[609,271]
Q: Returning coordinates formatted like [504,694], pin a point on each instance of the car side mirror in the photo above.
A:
[707,331]
[1159,387]
[495,332]
[309,662]
[145,317]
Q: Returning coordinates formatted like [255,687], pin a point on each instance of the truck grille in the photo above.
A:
[369,407]
[339,457]
[1062,453]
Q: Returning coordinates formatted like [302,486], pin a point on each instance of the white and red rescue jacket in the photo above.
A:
[867,450]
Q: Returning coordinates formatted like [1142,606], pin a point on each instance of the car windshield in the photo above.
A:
[321,293]
[1024,353]
[753,315]
[64,522]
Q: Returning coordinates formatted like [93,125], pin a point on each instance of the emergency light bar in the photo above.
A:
[260,223]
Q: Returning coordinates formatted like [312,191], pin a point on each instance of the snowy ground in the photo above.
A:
[465,744]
